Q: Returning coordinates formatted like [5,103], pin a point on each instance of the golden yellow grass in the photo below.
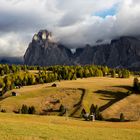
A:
[38,97]
[130,107]
[34,95]
[93,85]
[28,127]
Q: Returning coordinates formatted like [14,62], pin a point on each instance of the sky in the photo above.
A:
[72,22]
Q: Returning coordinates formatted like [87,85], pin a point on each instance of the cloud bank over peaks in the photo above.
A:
[72,22]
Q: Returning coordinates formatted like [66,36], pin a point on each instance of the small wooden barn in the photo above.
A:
[54,85]
[14,93]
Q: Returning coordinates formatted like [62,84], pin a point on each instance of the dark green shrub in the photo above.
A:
[3,110]
[136,84]
[31,110]
[24,109]
[122,118]
[62,110]
[83,112]
[113,73]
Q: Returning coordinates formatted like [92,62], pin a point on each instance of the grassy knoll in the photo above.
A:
[28,127]
[99,91]
[40,98]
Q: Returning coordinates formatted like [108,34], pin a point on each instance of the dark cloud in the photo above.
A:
[72,22]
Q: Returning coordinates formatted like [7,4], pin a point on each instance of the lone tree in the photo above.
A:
[136,84]
[31,110]
[125,73]
[24,109]
[83,112]
[122,118]
[93,109]
[113,73]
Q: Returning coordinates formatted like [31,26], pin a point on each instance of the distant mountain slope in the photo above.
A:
[121,52]
[11,60]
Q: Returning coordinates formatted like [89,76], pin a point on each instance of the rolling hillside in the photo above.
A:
[108,93]
[130,107]
[74,95]
[43,98]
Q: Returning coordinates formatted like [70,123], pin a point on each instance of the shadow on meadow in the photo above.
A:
[111,96]
[129,88]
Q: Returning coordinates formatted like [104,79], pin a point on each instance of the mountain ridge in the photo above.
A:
[123,52]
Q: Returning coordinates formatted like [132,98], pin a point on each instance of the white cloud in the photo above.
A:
[73,22]
[12,45]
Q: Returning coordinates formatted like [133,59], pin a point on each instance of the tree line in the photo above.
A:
[74,72]
[16,76]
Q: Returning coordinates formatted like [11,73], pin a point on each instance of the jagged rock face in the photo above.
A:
[97,55]
[122,52]
[125,52]
[42,51]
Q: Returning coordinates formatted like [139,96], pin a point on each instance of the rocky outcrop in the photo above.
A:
[43,51]
[121,52]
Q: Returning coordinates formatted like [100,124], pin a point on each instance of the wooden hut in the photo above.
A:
[14,94]
[54,85]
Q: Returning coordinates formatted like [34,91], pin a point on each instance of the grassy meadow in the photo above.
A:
[103,92]
[30,127]
[108,93]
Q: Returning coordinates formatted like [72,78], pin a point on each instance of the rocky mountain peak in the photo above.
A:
[43,36]
[124,39]
[44,51]
[121,52]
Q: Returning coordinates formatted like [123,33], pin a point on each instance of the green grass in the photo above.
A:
[28,127]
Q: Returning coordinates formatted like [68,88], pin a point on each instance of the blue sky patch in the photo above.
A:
[109,12]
